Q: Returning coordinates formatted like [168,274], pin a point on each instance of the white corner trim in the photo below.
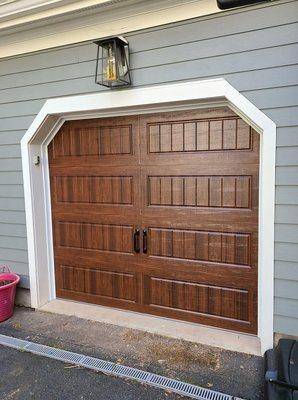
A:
[134,101]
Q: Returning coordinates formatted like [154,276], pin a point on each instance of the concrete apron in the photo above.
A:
[195,333]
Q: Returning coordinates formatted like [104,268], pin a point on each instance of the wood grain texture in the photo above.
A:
[200,191]
[203,135]
[229,248]
[191,180]
[94,189]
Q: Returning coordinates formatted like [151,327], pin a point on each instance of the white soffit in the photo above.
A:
[16,12]
[92,22]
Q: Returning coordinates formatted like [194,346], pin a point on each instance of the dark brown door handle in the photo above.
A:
[136,240]
[145,241]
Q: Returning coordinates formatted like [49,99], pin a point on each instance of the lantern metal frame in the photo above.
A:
[121,81]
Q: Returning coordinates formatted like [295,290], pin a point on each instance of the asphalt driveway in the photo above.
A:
[27,376]
[23,375]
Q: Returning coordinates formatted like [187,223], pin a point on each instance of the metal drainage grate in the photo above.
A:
[114,369]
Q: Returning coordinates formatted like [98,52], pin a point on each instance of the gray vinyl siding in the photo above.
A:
[255,49]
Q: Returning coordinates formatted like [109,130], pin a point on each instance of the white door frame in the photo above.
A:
[136,101]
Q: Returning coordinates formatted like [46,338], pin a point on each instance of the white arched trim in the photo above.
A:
[137,101]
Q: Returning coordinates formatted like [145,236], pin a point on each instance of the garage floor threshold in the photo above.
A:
[114,369]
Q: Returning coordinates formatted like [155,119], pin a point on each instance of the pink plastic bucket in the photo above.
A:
[7,294]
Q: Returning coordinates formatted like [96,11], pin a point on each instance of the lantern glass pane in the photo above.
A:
[109,67]
[121,62]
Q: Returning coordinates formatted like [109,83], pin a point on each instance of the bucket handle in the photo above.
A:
[5,269]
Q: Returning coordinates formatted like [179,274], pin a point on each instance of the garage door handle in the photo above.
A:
[145,242]
[136,240]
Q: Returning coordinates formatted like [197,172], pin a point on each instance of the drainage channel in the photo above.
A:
[117,370]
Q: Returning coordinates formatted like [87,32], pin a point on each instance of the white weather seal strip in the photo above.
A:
[117,370]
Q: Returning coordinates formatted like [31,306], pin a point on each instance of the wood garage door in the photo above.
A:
[159,214]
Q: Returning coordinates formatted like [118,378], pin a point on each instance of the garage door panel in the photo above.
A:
[209,138]
[208,304]
[97,141]
[106,190]
[99,282]
[230,248]
[213,191]
[93,236]
[94,187]
[198,298]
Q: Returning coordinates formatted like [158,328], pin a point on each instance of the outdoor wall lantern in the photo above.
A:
[227,4]
[112,62]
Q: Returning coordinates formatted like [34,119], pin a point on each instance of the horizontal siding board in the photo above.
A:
[8,151]
[18,230]
[287,289]
[78,70]
[47,90]
[12,204]
[11,191]
[12,217]
[286,325]
[28,107]
[286,214]
[286,270]
[286,252]
[287,233]
[264,78]
[10,164]
[287,136]
[287,116]
[286,307]
[13,242]
[274,97]
[14,255]
[11,137]
[11,178]
[40,60]
[286,176]
[286,195]
[16,122]
[287,156]
[15,266]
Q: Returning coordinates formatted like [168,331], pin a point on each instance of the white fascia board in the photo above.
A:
[123,17]
[27,11]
